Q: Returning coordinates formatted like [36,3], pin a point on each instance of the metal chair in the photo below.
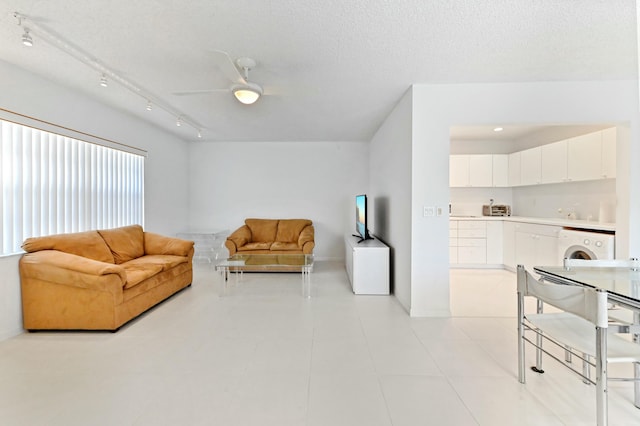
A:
[621,320]
[581,328]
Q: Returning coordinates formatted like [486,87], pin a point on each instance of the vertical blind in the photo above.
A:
[56,184]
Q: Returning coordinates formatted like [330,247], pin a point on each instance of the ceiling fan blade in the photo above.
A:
[227,67]
[198,92]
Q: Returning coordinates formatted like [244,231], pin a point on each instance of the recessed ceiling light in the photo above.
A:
[498,129]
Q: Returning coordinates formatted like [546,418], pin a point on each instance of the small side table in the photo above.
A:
[224,268]
[209,245]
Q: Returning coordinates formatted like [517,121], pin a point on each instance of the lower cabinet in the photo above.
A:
[536,245]
[367,264]
[467,242]
[509,245]
[475,242]
[497,243]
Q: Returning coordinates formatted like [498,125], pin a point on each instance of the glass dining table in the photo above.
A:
[622,285]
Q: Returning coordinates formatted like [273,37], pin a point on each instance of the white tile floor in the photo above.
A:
[264,356]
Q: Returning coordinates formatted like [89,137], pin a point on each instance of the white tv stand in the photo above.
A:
[367,265]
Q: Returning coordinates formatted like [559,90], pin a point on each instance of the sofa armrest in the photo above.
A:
[72,270]
[238,238]
[306,239]
[161,244]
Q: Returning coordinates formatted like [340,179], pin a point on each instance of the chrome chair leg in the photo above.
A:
[538,367]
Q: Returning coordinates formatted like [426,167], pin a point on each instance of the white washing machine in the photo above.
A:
[573,244]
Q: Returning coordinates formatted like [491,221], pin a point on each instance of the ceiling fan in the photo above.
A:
[245,91]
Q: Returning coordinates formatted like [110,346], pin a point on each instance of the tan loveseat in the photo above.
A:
[272,236]
[99,280]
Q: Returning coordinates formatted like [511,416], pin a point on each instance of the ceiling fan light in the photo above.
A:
[247,93]
[26,38]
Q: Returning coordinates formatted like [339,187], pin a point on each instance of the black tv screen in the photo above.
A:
[361,216]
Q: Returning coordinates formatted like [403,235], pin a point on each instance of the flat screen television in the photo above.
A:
[361,218]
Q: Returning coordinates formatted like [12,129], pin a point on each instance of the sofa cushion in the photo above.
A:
[289,229]
[138,272]
[86,244]
[280,246]
[262,230]
[159,244]
[126,243]
[166,261]
[255,246]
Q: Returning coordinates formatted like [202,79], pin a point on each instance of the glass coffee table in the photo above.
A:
[239,263]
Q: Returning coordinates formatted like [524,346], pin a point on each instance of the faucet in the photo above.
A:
[490,202]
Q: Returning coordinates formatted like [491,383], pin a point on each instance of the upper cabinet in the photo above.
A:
[478,171]
[514,169]
[587,157]
[609,143]
[458,170]
[530,166]
[584,160]
[553,159]
[500,170]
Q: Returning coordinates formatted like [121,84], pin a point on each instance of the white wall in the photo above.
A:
[231,181]
[585,199]
[165,168]
[390,192]
[469,201]
[438,107]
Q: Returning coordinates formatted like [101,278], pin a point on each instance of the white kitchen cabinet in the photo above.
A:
[553,158]
[453,241]
[500,175]
[536,245]
[495,242]
[480,170]
[509,245]
[367,265]
[585,157]
[530,166]
[470,243]
[609,159]
[514,169]
[470,171]
[458,171]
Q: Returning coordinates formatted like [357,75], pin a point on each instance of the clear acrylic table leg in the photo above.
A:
[306,282]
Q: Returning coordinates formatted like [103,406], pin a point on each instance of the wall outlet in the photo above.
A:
[429,211]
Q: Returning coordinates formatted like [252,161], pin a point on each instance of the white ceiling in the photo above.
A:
[336,67]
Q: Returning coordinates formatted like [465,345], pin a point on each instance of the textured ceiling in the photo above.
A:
[334,69]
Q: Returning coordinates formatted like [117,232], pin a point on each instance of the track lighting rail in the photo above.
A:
[106,74]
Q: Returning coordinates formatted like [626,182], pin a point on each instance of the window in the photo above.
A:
[56,184]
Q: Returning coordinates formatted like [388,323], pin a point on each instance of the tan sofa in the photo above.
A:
[272,236]
[99,280]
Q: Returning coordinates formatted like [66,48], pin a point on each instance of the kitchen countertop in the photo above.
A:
[567,223]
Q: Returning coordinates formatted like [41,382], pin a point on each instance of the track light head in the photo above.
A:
[103,81]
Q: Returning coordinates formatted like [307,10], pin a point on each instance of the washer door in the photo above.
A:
[579,252]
